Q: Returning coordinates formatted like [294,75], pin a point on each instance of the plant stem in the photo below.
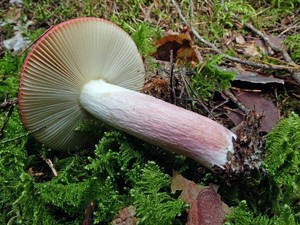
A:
[157,122]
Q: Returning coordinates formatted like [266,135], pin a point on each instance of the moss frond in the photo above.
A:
[154,204]
[241,215]
[209,78]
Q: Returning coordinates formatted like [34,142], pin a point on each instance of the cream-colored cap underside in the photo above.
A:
[61,63]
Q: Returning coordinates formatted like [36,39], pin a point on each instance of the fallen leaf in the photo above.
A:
[259,103]
[277,41]
[255,78]
[189,189]
[250,76]
[157,87]
[239,39]
[18,41]
[207,209]
[263,47]
[18,3]
[251,49]
[181,45]
[126,216]
[13,14]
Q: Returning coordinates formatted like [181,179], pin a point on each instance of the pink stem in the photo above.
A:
[160,123]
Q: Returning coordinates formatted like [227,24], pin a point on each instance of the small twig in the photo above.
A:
[173,95]
[198,100]
[296,26]
[21,136]
[191,13]
[11,109]
[275,48]
[236,102]
[219,105]
[50,164]
[246,90]
[33,42]
[186,88]
[231,58]
[234,110]
[7,104]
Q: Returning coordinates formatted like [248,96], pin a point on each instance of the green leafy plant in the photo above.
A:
[242,215]
[209,79]
[143,38]
[150,194]
[293,43]
[9,77]
[222,16]
[286,6]
[146,183]
[282,161]
[116,176]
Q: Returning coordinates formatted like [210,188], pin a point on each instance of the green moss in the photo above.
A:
[150,194]
[241,215]
[116,176]
[293,43]
[146,182]
[209,79]
[273,200]
[9,75]
[144,37]
[282,161]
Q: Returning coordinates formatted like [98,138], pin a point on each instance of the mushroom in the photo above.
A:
[89,66]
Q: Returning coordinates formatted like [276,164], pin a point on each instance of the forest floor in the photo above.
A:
[236,62]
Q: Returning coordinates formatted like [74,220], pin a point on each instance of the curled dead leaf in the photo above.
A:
[182,47]
[126,216]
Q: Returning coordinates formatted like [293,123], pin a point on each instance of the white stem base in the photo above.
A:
[160,123]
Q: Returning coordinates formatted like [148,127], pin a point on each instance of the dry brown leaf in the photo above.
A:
[251,49]
[239,39]
[190,189]
[13,14]
[157,87]
[207,209]
[263,47]
[182,46]
[259,103]
[251,76]
[126,216]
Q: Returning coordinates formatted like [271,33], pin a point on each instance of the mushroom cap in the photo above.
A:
[63,60]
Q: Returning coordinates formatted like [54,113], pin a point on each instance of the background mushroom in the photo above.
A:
[89,66]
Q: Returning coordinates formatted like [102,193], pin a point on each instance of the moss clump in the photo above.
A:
[282,161]
[293,43]
[209,79]
[275,198]
[116,176]
[242,215]
[9,75]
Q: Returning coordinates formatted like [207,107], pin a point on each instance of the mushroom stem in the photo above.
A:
[157,122]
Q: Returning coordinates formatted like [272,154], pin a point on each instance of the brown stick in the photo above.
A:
[284,53]
[173,94]
[7,104]
[231,58]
